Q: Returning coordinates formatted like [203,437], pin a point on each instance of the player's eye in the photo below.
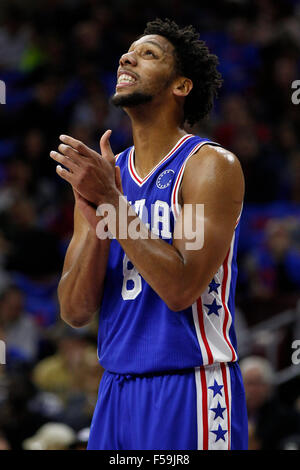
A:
[149,53]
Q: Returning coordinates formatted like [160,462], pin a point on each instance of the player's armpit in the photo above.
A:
[211,197]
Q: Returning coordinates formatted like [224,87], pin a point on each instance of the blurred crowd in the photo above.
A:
[58,59]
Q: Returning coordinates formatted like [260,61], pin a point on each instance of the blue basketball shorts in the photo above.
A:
[202,408]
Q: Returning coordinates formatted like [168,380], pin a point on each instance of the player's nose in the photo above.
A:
[129,58]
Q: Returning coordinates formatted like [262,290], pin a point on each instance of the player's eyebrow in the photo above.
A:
[151,41]
[155,44]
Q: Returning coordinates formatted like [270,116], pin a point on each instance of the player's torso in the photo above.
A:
[138,333]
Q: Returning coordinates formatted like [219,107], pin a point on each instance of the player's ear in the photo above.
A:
[182,86]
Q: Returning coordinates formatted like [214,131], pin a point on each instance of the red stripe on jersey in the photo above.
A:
[179,176]
[131,165]
[204,408]
[226,311]
[175,188]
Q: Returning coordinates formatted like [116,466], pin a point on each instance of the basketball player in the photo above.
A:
[166,333]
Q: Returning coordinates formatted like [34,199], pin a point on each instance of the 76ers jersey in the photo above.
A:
[138,333]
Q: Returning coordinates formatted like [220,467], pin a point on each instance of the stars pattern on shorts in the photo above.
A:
[220,433]
[213,308]
[213,286]
[216,388]
[218,414]
[218,411]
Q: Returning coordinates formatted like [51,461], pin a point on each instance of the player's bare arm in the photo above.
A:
[81,285]
[213,177]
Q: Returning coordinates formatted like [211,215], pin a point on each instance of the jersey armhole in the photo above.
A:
[175,206]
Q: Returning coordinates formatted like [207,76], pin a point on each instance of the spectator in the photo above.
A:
[14,37]
[51,436]
[19,330]
[72,374]
[17,420]
[71,369]
[274,268]
[270,420]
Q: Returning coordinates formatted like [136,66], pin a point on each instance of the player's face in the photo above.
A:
[145,71]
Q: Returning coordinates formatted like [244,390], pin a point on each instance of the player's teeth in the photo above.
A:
[126,78]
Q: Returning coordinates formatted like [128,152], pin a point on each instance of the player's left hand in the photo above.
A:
[91,174]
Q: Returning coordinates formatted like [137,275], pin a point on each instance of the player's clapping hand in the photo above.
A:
[92,175]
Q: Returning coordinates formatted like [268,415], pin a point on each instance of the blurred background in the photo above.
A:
[58,59]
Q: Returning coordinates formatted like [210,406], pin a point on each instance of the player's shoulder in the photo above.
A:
[215,168]
[212,154]
[215,160]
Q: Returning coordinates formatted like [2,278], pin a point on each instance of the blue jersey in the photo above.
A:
[138,333]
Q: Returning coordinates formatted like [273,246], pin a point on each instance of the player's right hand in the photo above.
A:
[87,209]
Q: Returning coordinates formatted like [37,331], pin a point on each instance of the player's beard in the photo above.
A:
[138,98]
[129,101]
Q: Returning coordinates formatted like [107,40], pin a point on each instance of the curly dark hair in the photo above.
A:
[194,61]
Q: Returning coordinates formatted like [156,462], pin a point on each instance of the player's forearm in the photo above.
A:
[81,285]
[162,267]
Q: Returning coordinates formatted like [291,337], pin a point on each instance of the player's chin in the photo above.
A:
[131,97]
[122,92]
[120,97]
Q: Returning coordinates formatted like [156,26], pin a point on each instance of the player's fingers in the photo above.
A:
[79,146]
[65,174]
[66,161]
[70,153]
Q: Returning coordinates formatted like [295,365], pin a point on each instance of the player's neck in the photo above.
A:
[153,138]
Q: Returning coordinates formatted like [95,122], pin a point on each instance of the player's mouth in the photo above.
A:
[125,79]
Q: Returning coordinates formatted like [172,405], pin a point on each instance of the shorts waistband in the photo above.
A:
[125,377]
